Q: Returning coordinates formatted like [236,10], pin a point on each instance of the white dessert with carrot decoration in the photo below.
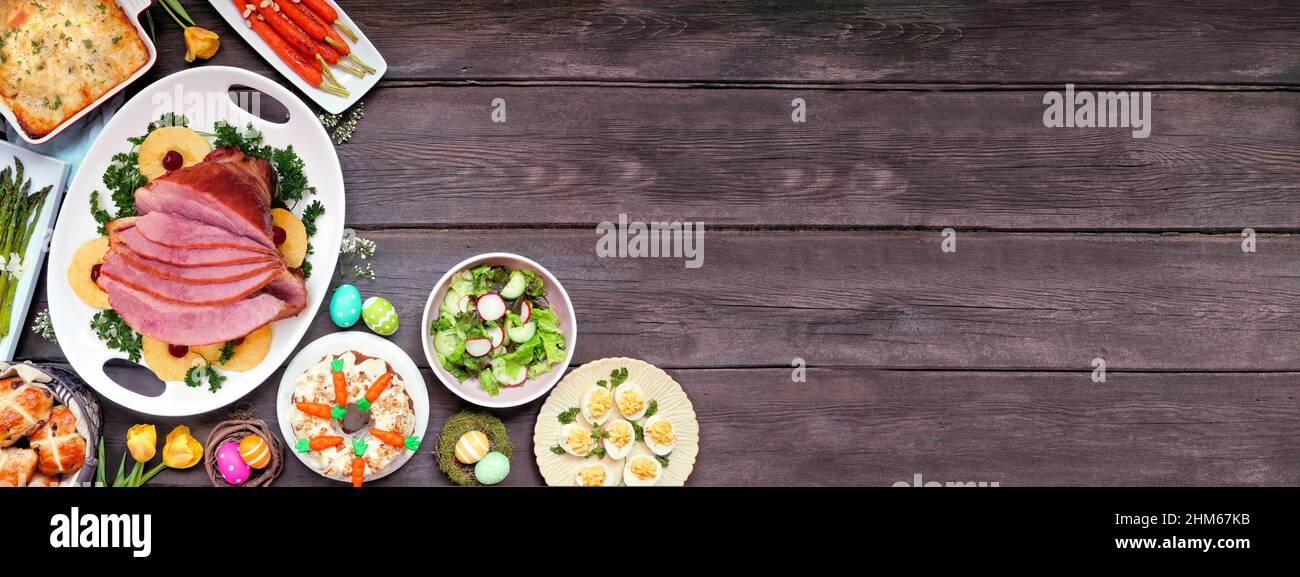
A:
[352,417]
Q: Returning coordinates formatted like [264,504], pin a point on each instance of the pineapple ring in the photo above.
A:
[189,144]
[83,263]
[294,247]
[248,354]
[158,357]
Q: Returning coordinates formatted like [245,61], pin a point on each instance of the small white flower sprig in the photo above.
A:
[342,125]
[352,248]
[44,327]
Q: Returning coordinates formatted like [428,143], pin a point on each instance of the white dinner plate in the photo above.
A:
[72,318]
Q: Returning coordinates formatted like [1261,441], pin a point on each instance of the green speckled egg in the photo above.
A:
[492,468]
[345,306]
[380,315]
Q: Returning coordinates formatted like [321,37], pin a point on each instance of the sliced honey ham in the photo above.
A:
[121,270]
[191,325]
[228,190]
[289,287]
[146,248]
[180,232]
[196,274]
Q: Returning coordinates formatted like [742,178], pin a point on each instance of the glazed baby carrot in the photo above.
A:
[314,409]
[315,28]
[305,68]
[340,382]
[377,388]
[389,437]
[329,15]
[303,44]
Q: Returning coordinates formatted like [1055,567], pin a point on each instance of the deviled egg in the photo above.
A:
[641,471]
[596,404]
[593,475]
[631,400]
[660,435]
[619,439]
[576,440]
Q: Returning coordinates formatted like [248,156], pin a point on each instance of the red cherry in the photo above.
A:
[173,161]
[278,235]
[178,351]
[94,273]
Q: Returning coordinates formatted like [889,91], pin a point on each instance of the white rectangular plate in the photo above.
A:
[44,171]
[356,86]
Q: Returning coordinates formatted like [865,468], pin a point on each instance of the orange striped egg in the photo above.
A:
[471,447]
[254,450]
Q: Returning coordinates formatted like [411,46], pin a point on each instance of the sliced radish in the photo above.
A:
[497,335]
[517,379]
[463,304]
[491,306]
[522,333]
[525,312]
[478,347]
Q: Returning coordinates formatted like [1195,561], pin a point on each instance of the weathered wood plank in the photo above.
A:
[432,156]
[889,299]
[854,427]
[1221,41]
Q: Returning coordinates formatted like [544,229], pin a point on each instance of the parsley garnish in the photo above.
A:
[558,450]
[663,460]
[194,378]
[118,335]
[568,415]
[617,376]
[640,433]
[101,216]
[227,353]
[652,409]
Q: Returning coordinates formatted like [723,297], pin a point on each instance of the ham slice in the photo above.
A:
[228,190]
[214,274]
[146,248]
[187,324]
[180,232]
[289,287]
[119,269]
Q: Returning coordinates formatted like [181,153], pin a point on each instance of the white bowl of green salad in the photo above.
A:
[499,330]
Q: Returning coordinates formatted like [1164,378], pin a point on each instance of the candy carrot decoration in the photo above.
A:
[377,388]
[340,382]
[318,443]
[358,461]
[329,15]
[315,409]
[358,471]
[389,437]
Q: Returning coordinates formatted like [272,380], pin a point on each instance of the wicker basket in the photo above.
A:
[235,431]
[70,390]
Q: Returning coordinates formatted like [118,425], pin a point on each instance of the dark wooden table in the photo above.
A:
[823,238]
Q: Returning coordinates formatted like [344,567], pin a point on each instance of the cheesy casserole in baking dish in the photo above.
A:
[59,56]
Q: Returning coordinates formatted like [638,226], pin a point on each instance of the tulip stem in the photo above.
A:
[172,14]
[151,473]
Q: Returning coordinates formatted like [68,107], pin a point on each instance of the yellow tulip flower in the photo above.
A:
[142,441]
[181,451]
[200,43]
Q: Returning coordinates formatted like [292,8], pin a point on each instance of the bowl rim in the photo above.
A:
[550,379]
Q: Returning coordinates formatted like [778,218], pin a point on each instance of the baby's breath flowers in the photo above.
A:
[43,326]
[352,248]
[342,125]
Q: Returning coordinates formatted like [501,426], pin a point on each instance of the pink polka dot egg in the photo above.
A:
[231,465]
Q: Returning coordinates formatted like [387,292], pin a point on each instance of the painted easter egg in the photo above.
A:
[380,315]
[492,469]
[232,466]
[255,451]
[345,306]
[471,447]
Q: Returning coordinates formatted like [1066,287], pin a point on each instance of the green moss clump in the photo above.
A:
[459,424]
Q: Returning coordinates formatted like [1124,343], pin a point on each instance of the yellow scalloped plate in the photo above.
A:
[563,469]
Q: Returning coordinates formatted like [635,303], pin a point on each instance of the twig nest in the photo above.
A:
[235,432]
[457,426]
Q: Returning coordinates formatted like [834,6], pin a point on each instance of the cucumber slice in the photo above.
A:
[515,286]
[522,333]
[446,343]
[449,302]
